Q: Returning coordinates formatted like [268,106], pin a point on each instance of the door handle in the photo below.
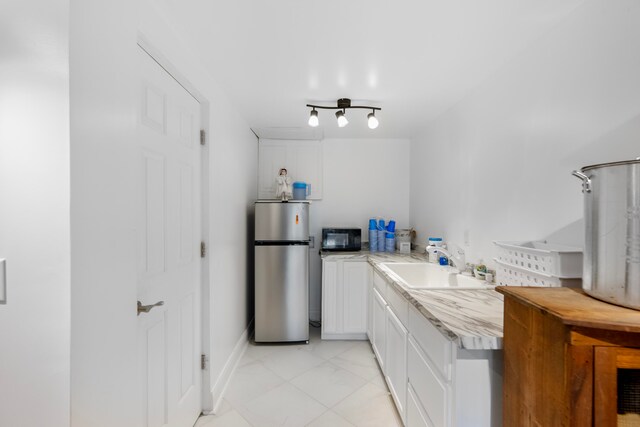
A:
[147,308]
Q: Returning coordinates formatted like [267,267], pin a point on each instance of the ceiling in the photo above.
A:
[413,58]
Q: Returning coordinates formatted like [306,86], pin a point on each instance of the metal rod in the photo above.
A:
[343,108]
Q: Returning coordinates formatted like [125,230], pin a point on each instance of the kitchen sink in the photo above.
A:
[432,276]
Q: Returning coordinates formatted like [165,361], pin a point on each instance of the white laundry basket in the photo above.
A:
[538,264]
[509,275]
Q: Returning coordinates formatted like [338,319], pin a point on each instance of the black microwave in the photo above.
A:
[341,239]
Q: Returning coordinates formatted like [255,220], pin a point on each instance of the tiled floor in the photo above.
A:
[324,383]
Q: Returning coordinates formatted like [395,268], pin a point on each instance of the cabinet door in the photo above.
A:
[370,303]
[433,394]
[271,157]
[302,159]
[305,158]
[396,361]
[330,297]
[616,386]
[354,292]
[440,351]
[379,320]
[415,417]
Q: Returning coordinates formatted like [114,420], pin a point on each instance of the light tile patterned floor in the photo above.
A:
[324,383]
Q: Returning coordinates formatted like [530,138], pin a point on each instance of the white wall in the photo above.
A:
[103,94]
[363,178]
[34,213]
[103,122]
[497,165]
[233,168]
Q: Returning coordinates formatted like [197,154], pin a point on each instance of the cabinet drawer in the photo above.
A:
[398,304]
[415,417]
[431,392]
[432,343]
[380,284]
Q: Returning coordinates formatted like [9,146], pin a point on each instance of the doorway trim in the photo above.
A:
[206,398]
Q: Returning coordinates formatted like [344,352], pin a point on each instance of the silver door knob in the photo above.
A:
[147,308]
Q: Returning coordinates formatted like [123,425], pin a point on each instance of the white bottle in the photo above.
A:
[432,254]
[432,249]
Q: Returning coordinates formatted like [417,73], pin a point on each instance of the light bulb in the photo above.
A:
[342,119]
[313,119]
[372,121]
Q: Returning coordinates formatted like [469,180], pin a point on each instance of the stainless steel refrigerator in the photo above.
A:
[281,271]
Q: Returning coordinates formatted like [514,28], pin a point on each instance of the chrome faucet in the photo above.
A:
[456,256]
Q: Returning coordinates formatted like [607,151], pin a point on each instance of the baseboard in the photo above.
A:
[221,384]
[357,336]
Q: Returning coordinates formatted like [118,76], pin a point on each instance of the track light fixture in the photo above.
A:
[313,118]
[372,121]
[342,119]
[342,105]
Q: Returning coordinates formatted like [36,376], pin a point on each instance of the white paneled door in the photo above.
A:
[169,249]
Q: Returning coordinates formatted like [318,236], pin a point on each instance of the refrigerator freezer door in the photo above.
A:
[277,221]
[282,293]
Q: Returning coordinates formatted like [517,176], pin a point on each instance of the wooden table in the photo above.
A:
[562,353]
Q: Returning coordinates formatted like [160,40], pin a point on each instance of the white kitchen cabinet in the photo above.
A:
[354,292]
[302,159]
[432,382]
[370,304]
[345,285]
[452,386]
[330,300]
[415,413]
[440,351]
[389,339]
[432,393]
[379,328]
[396,361]
[271,158]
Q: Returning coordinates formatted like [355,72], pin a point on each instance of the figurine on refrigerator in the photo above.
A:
[283,182]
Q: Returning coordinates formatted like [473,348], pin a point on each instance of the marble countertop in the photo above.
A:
[376,256]
[472,318]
